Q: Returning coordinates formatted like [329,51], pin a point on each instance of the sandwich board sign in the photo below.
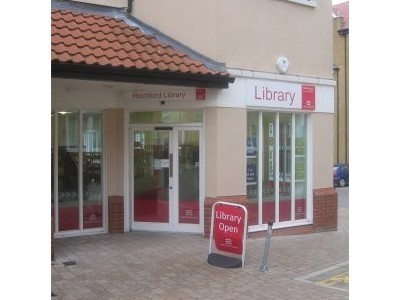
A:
[228,235]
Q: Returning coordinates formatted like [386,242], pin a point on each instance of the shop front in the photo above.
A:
[145,137]
[168,160]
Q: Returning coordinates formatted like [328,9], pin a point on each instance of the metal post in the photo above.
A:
[264,268]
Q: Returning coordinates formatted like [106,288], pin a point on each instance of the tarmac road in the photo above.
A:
[343,197]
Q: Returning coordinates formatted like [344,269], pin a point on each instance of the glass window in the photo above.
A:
[268,197]
[91,173]
[77,149]
[300,166]
[252,165]
[189,172]
[68,170]
[166,117]
[276,180]
[285,166]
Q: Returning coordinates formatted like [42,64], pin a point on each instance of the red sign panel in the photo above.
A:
[308,97]
[229,228]
[200,94]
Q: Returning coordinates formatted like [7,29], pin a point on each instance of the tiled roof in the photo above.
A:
[91,39]
[342,10]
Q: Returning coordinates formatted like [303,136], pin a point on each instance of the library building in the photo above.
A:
[147,133]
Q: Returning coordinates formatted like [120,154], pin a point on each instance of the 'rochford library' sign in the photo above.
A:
[168,94]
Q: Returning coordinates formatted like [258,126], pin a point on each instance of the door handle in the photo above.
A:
[171,165]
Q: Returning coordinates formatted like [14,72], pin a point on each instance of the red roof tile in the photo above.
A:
[89,39]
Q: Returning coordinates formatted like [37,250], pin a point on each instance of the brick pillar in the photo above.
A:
[52,239]
[115,214]
[325,209]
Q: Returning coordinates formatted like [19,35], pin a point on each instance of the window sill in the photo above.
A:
[312,3]
[258,228]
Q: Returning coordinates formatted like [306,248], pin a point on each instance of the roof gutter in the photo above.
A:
[116,74]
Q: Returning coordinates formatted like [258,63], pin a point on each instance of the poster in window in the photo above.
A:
[251,173]
[270,129]
[251,145]
[300,146]
[300,168]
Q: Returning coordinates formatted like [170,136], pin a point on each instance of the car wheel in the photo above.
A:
[342,182]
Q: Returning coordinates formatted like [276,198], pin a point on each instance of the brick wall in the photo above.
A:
[325,209]
[115,214]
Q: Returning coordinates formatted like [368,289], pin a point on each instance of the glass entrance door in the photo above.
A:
[166,179]
[151,178]
[188,177]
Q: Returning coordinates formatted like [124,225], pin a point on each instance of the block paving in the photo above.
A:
[149,265]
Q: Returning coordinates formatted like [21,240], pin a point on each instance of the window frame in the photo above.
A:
[311,3]
[81,230]
[308,219]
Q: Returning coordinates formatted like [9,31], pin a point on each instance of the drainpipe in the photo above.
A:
[129,9]
[336,75]
[344,33]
